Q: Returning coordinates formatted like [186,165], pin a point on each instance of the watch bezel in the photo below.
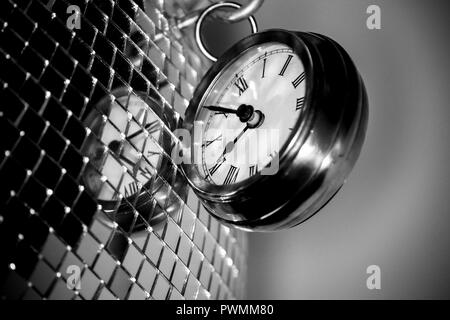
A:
[323,148]
[224,193]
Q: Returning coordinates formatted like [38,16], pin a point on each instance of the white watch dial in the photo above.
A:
[270,78]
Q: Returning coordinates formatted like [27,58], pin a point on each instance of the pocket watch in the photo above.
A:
[123,153]
[277,124]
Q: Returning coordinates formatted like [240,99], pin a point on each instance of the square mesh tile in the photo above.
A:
[147,276]
[54,79]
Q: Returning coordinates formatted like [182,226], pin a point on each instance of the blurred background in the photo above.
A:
[394,209]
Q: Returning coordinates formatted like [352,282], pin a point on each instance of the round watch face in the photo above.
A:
[277,124]
[269,77]
[122,150]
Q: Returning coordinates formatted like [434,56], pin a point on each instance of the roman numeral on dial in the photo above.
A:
[300,103]
[231,175]
[264,67]
[214,168]
[241,84]
[153,126]
[252,170]
[146,172]
[208,142]
[298,80]
[286,64]
[140,116]
[131,189]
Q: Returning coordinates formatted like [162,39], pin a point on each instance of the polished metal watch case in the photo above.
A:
[320,152]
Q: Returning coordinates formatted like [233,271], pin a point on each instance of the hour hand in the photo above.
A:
[230,145]
[228,148]
[244,111]
[150,127]
[220,109]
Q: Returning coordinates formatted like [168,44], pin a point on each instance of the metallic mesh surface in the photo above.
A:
[52,79]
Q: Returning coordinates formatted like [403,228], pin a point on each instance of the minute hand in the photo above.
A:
[228,148]
[220,109]
[244,112]
[230,145]
[153,125]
